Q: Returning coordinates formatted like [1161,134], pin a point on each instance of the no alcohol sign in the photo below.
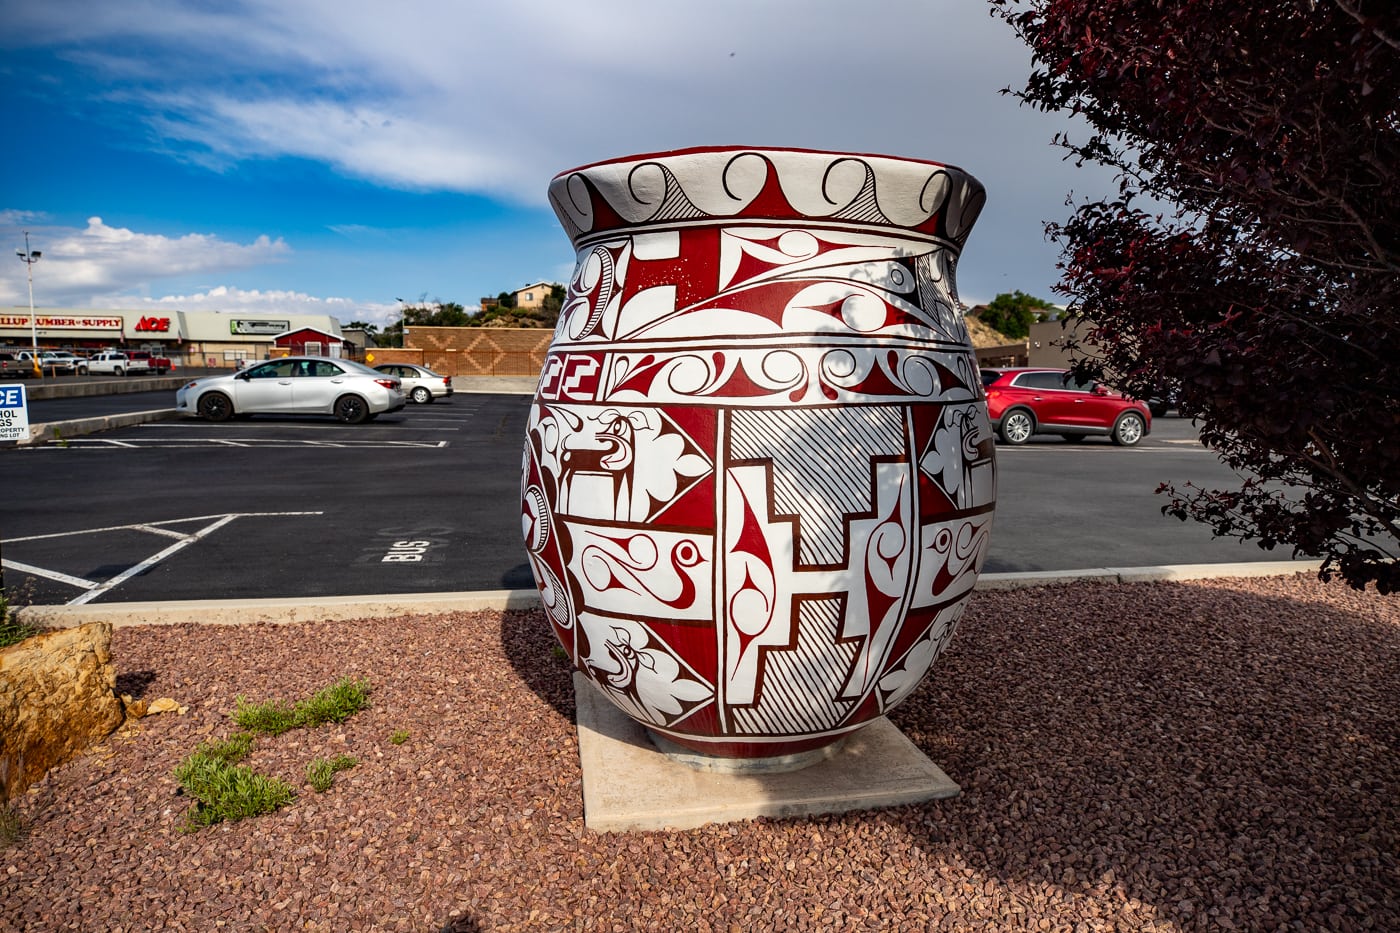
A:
[14,413]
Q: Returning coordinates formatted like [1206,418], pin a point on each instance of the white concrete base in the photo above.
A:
[629,785]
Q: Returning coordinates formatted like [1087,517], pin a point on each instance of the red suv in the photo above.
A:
[1023,402]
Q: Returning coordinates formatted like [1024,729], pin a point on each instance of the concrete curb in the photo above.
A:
[338,608]
[98,386]
[55,430]
[1263,568]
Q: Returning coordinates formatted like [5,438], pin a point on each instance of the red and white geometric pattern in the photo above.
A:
[759,476]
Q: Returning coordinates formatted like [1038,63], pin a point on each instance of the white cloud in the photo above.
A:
[100,264]
[444,95]
[228,298]
[439,95]
[14,218]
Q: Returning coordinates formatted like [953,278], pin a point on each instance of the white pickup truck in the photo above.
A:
[114,363]
[50,361]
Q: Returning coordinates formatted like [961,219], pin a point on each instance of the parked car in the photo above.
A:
[114,363]
[1164,401]
[12,368]
[62,361]
[420,383]
[1023,402]
[303,385]
[53,363]
[157,364]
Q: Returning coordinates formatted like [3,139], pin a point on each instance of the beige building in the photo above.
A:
[532,296]
[1047,343]
[189,338]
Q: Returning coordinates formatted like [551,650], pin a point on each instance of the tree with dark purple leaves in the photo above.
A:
[1250,260]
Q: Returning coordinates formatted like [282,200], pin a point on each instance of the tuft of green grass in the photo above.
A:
[226,791]
[270,718]
[12,828]
[13,631]
[559,652]
[399,736]
[321,772]
[333,703]
[231,750]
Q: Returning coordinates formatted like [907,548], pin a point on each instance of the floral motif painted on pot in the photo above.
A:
[758,475]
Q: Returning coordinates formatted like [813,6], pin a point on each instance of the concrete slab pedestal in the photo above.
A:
[629,785]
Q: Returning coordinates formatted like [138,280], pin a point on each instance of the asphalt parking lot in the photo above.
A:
[427,500]
[185,509]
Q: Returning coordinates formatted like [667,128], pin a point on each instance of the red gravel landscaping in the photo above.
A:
[1213,755]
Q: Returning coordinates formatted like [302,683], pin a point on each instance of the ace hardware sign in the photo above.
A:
[158,325]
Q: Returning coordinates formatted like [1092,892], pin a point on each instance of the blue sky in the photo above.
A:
[330,156]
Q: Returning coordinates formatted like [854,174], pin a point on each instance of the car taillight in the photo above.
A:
[391,384]
[447,380]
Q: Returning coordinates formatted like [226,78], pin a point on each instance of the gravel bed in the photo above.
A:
[1214,755]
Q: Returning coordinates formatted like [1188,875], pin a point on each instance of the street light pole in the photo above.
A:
[29,257]
[403,310]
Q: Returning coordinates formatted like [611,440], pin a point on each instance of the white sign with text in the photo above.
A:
[14,413]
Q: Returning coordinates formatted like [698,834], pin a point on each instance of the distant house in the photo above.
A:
[532,296]
[311,342]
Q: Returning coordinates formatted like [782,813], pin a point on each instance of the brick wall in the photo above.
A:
[473,351]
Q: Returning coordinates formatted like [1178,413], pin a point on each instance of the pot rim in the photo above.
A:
[705,150]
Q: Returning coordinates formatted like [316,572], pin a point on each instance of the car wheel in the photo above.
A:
[82,370]
[1017,426]
[422,396]
[216,406]
[351,409]
[118,372]
[1128,430]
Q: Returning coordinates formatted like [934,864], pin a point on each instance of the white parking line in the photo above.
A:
[79,582]
[150,562]
[168,532]
[151,526]
[1154,447]
[93,589]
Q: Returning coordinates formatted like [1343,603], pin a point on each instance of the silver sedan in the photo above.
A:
[420,383]
[294,385]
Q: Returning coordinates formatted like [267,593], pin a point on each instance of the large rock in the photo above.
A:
[56,699]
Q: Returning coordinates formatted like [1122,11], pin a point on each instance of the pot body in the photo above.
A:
[758,475]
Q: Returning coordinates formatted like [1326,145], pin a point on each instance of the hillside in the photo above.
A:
[984,336]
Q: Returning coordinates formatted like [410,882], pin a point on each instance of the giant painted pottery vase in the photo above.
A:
[758,475]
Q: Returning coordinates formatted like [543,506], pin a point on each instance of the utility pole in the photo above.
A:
[29,257]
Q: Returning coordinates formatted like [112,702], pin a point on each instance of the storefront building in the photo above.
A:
[189,338]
